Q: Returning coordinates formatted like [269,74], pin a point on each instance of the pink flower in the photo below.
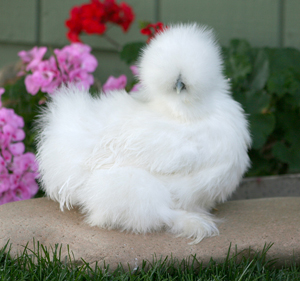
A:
[25,162]
[7,116]
[76,63]
[4,181]
[18,171]
[46,77]
[21,193]
[135,72]
[28,182]
[2,165]
[134,69]
[6,197]
[33,83]
[6,155]
[73,63]
[114,83]
[6,136]
[76,55]
[33,57]
[17,148]
[18,135]
[136,87]
[51,76]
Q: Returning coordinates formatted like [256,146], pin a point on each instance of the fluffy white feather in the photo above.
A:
[157,159]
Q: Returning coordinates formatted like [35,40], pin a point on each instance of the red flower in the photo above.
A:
[111,10]
[92,18]
[152,29]
[125,16]
[74,24]
[73,37]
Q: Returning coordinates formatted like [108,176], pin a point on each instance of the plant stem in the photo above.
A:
[113,42]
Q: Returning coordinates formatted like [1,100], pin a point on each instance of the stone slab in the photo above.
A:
[269,186]
[246,223]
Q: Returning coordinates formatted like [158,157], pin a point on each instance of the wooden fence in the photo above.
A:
[25,23]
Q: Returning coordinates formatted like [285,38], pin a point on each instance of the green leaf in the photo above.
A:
[289,122]
[241,47]
[293,100]
[267,84]
[240,67]
[293,86]
[143,24]
[240,97]
[260,71]
[25,105]
[238,62]
[296,97]
[277,83]
[261,126]
[259,165]
[289,155]
[284,59]
[131,52]
[257,102]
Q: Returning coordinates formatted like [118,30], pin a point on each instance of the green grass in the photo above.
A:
[48,264]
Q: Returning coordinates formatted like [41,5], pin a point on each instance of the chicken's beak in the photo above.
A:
[179,86]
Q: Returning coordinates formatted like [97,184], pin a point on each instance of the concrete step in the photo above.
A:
[269,186]
[245,223]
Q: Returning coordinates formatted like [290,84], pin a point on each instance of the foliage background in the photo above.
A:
[266,81]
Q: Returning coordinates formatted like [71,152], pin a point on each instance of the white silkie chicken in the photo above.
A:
[157,159]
